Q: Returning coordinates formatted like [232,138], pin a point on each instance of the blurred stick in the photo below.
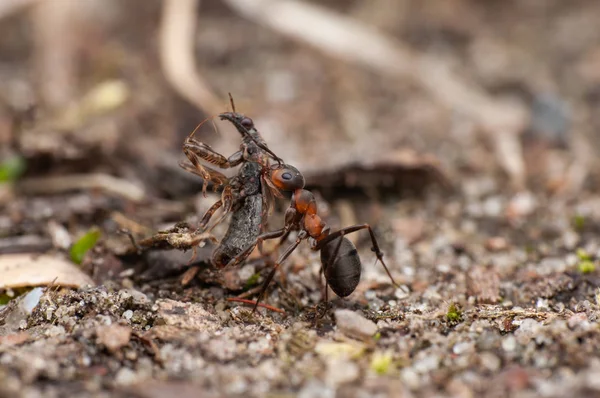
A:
[177,33]
[8,7]
[55,38]
[352,41]
[76,182]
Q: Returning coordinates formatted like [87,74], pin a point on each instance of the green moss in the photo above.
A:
[583,255]
[12,168]
[83,244]
[381,363]
[586,266]
[578,222]
[252,281]
[454,314]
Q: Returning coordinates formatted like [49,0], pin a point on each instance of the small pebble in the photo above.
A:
[354,325]
[490,361]
[509,344]
[340,371]
[114,336]
[125,376]
[402,292]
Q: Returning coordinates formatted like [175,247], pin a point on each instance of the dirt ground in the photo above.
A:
[490,229]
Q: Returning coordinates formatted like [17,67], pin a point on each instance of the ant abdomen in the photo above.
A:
[343,274]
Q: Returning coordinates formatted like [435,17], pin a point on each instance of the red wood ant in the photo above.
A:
[340,262]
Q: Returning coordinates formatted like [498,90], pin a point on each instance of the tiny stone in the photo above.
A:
[128,314]
[542,304]
[490,361]
[463,347]
[316,389]
[114,336]
[509,344]
[528,329]
[427,364]
[402,292]
[411,378]
[496,243]
[127,283]
[139,298]
[354,324]
[246,272]
[340,371]
[125,377]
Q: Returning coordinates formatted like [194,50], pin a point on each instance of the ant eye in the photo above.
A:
[247,123]
[287,178]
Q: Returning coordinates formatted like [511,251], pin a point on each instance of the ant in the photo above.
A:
[340,262]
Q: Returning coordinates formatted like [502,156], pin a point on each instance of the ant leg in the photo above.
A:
[354,228]
[267,235]
[281,259]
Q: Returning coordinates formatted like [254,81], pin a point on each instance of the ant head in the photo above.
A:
[286,177]
[246,128]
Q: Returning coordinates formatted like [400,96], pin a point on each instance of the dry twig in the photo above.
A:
[54,25]
[74,182]
[8,7]
[177,32]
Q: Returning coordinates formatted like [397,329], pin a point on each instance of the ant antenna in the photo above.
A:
[231,102]
[260,145]
[247,133]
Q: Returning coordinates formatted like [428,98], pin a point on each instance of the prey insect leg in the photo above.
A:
[262,237]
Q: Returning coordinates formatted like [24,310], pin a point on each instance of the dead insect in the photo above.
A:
[248,195]
[254,192]
[340,262]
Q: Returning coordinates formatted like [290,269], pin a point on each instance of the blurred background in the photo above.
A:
[502,87]
[378,98]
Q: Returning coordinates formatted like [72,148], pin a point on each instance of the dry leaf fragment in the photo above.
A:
[22,270]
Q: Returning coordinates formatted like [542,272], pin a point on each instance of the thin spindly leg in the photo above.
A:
[262,237]
[206,153]
[197,151]
[354,228]
[283,257]
[208,215]
[206,173]
[225,202]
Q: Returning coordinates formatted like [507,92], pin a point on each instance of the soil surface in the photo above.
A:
[497,288]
